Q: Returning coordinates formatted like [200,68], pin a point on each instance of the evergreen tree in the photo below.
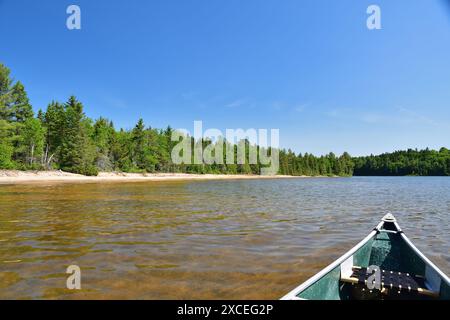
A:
[41,116]
[139,147]
[5,93]
[103,132]
[54,123]
[77,152]
[20,108]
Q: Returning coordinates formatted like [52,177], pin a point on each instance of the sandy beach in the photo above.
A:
[15,176]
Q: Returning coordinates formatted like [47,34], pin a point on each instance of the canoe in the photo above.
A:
[384,266]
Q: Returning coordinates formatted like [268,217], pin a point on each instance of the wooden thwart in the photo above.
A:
[355,278]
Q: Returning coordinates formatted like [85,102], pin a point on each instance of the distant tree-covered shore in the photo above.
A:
[63,137]
[403,163]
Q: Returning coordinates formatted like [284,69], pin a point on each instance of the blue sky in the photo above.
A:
[310,68]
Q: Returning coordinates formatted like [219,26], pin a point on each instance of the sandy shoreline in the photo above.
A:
[15,177]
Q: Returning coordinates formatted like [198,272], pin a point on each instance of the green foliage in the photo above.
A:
[140,150]
[7,130]
[32,140]
[103,137]
[14,103]
[77,149]
[309,165]
[87,170]
[5,92]
[6,152]
[402,163]
[20,107]
[54,123]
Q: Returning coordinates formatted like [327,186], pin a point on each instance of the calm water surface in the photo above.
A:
[238,239]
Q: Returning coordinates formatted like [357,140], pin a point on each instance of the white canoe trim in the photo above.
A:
[293,295]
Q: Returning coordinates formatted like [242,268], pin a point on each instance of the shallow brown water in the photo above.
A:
[242,239]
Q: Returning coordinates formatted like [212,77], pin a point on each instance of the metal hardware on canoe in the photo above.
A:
[394,280]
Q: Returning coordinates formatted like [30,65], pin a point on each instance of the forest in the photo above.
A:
[62,137]
[405,163]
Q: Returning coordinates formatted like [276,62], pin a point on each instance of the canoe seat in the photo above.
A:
[391,281]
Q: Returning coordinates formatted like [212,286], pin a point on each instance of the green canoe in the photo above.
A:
[384,266]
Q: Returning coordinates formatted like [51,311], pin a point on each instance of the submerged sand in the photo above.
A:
[15,176]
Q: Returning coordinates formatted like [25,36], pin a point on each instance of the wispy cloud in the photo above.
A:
[411,116]
[188,95]
[277,105]
[373,118]
[301,107]
[236,103]
[197,100]
[116,103]
[338,113]
[394,116]
[398,116]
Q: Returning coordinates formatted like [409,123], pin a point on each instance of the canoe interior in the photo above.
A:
[388,251]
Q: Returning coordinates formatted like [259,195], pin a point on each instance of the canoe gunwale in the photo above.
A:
[293,295]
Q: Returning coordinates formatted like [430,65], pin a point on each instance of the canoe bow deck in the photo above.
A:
[405,272]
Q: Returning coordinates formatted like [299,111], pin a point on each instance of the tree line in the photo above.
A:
[402,163]
[63,137]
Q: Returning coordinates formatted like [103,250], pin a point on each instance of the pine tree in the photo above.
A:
[41,116]
[77,152]
[21,108]
[5,93]
[138,148]
[54,123]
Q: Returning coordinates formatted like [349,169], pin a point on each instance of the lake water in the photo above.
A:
[237,239]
